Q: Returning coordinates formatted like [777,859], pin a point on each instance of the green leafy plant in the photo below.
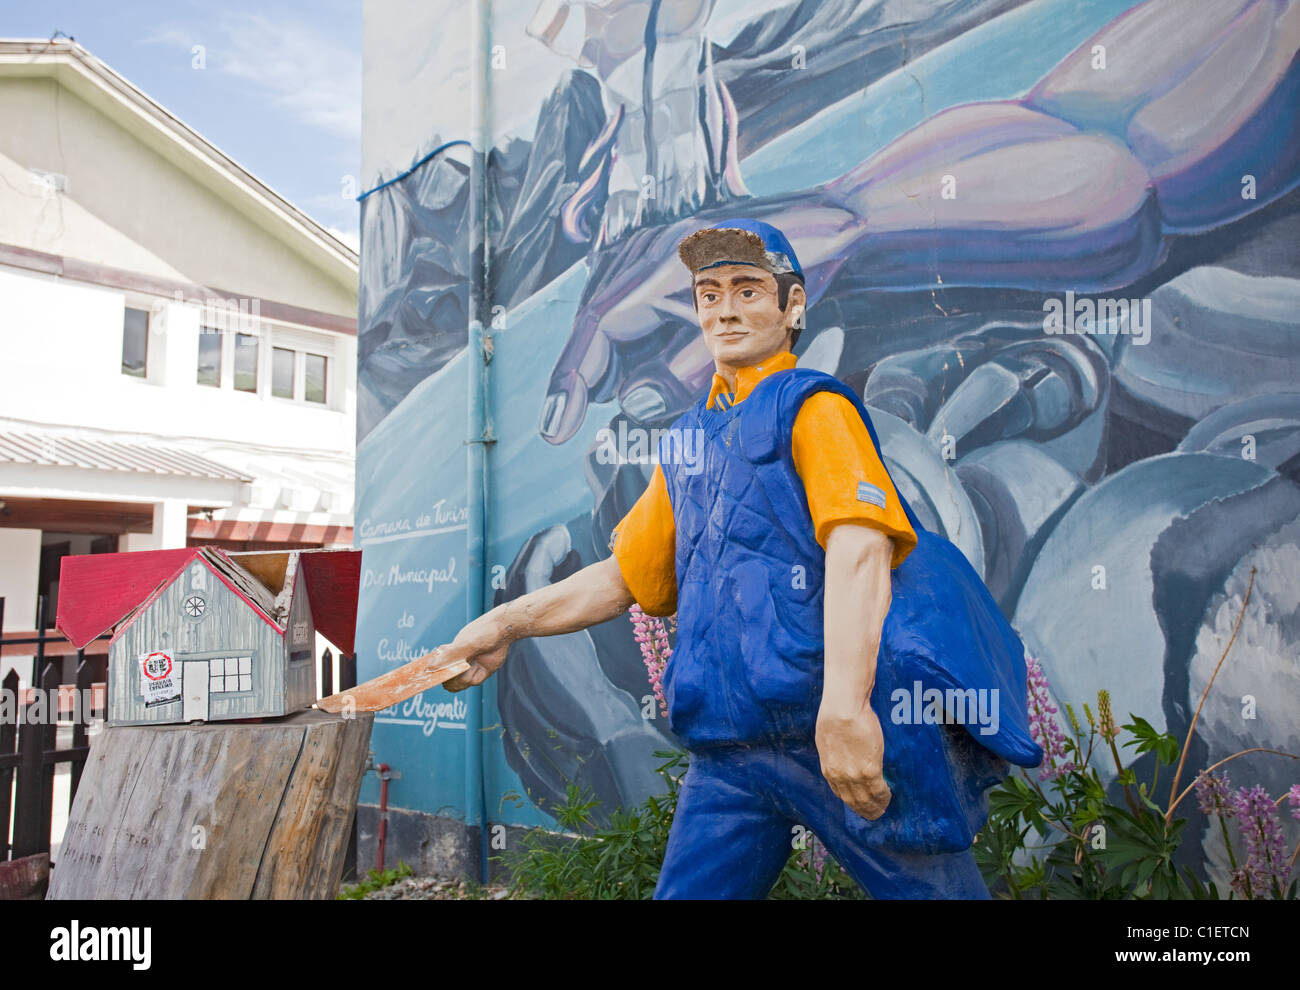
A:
[374,880]
[622,860]
[1059,834]
[591,862]
[813,874]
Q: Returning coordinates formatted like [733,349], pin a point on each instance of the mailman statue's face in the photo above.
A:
[738,312]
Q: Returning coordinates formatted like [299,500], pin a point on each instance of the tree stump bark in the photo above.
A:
[219,810]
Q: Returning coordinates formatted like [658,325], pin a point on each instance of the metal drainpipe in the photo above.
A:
[385,775]
[480,420]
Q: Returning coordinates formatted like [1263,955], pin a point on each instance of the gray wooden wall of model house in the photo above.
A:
[300,647]
[228,626]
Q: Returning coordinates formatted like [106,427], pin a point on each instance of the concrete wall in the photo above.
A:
[131,201]
[149,201]
[20,562]
[20,559]
[63,366]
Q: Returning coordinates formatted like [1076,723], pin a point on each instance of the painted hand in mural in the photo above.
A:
[1124,164]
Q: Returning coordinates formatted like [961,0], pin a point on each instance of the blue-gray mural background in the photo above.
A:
[1054,245]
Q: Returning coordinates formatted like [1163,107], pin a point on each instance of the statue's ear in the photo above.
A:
[797,304]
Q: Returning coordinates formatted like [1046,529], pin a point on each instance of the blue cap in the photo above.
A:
[740,242]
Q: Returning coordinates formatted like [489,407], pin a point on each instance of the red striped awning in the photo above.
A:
[268,531]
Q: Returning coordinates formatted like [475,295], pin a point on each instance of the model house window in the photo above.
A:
[314,378]
[282,372]
[227,675]
[245,362]
[135,342]
[210,356]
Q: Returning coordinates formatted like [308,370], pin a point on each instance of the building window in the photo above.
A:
[227,675]
[314,378]
[245,362]
[135,342]
[282,372]
[210,356]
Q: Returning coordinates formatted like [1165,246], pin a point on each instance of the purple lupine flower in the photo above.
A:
[661,640]
[819,860]
[1266,859]
[1213,795]
[652,639]
[1044,727]
[1293,798]
[1243,882]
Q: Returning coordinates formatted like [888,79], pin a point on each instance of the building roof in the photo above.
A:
[147,120]
[333,580]
[109,455]
[98,591]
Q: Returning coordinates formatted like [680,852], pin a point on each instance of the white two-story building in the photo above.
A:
[177,342]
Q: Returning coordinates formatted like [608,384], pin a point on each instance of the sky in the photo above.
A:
[275,84]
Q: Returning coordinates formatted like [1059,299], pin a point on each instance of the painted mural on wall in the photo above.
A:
[1053,245]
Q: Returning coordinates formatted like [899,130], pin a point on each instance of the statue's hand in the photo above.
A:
[852,751]
[483,644]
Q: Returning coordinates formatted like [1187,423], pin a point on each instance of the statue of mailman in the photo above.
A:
[838,666]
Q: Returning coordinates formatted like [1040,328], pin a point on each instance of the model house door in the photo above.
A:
[194,685]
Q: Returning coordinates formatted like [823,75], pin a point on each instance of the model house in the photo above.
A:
[203,634]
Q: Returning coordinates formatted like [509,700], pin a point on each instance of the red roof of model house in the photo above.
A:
[98,591]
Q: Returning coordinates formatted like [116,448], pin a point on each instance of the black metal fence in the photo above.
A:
[29,753]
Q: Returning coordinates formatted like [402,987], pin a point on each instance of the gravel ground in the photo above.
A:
[437,889]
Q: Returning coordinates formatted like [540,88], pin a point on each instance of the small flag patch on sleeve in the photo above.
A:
[870,493]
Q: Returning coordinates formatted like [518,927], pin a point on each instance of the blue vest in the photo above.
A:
[748,664]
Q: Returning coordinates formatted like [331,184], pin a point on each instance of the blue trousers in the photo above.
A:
[738,812]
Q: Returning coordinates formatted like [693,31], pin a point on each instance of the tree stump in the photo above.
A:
[25,879]
[218,810]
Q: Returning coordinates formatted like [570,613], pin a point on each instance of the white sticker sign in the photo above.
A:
[160,682]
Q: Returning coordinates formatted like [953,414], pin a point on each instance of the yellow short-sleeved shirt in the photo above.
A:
[833,454]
